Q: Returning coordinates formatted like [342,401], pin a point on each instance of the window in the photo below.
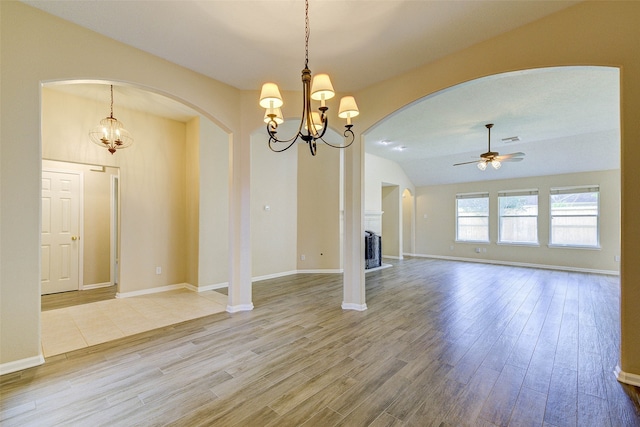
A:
[472,217]
[518,211]
[574,216]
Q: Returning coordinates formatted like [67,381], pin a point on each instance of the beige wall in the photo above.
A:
[192,200]
[319,208]
[435,234]
[408,222]
[213,222]
[391,221]
[274,185]
[379,171]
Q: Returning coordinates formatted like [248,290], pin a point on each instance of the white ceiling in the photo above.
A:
[559,115]
[245,43]
[567,120]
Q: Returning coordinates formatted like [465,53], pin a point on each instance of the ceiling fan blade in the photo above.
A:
[467,163]
[510,156]
[511,159]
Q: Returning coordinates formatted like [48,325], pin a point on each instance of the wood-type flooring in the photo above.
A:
[72,298]
[442,343]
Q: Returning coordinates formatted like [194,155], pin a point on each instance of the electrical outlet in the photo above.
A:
[484,250]
[616,258]
[302,257]
[158,270]
[477,250]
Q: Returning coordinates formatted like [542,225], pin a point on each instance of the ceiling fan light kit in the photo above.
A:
[313,125]
[493,158]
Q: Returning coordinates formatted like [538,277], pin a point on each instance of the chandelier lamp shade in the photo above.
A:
[313,124]
[110,133]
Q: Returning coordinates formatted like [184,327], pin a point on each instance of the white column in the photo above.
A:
[239,225]
[353,280]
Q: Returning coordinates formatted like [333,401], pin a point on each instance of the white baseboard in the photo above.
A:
[152,290]
[352,306]
[325,271]
[96,286]
[273,276]
[205,288]
[521,264]
[19,365]
[239,307]
[392,257]
[382,267]
[627,378]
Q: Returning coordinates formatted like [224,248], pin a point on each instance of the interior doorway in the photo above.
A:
[80,228]
[391,221]
[408,223]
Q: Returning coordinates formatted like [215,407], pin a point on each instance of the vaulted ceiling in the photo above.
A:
[558,114]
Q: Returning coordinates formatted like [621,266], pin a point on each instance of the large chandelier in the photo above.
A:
[110,133]
[313,125]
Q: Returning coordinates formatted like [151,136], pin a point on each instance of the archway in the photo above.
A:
[174,183]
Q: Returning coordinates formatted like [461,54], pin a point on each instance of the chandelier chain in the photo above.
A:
[306,34]
[111,101]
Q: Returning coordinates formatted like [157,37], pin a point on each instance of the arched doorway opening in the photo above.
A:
[167,215]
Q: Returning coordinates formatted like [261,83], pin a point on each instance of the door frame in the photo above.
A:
[114,257]
[80,218]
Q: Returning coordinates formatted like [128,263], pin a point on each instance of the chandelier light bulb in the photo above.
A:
[275,114]
[482,165]
[496,164]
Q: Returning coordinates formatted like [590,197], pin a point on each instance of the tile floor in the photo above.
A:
[80,326]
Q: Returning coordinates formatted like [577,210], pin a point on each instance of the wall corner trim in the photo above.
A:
[626,377]
[239,307]
[352,306]
[19,365]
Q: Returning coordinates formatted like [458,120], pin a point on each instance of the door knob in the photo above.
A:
[75,238]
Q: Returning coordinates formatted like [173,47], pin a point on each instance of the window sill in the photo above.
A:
[475,242]
[532,245]
[589,248]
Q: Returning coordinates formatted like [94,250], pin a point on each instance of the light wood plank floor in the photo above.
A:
[443,343]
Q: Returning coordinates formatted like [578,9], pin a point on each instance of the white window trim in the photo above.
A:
[478,195]
[511,193]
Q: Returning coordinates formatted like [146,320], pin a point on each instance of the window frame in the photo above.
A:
[480,195]
[574,190]
[515,193]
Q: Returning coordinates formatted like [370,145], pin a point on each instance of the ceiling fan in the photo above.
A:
[493,157]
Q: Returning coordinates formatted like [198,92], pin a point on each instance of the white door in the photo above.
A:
[60,232]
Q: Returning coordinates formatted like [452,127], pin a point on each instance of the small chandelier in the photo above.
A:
[313,125]
[110,133]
